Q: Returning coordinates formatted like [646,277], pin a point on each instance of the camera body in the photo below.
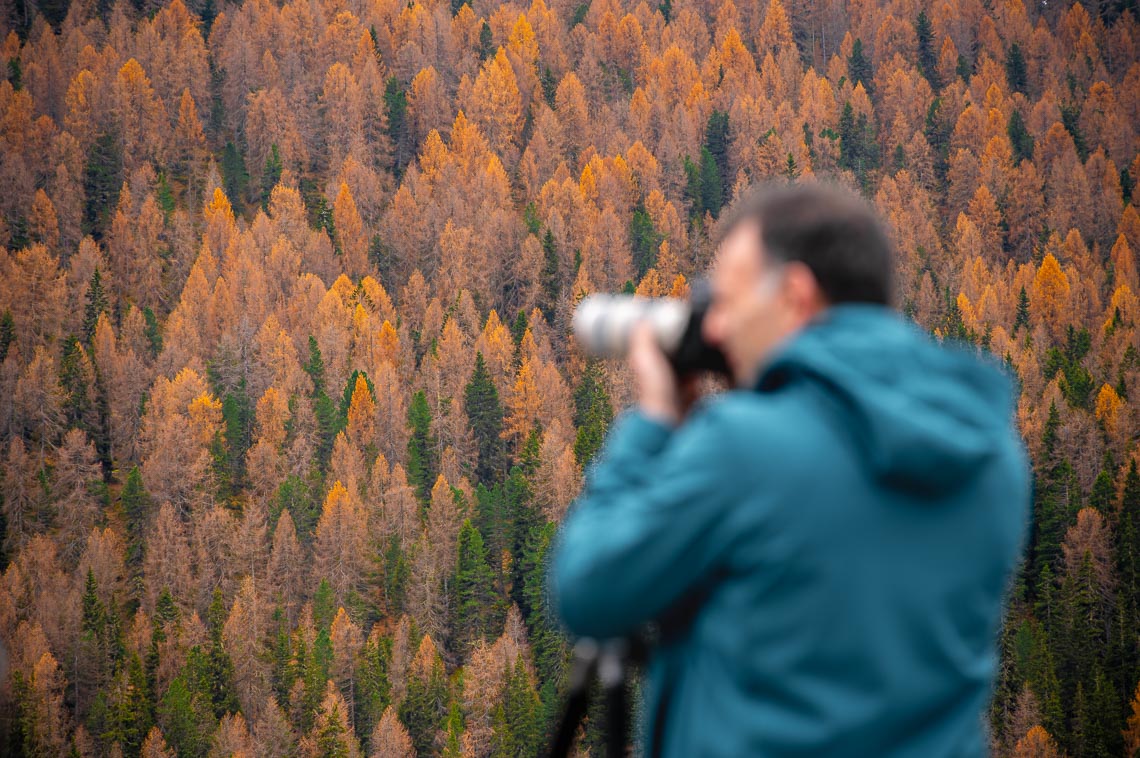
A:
[603,324]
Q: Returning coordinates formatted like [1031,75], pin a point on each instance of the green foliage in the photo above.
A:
[927,55]
[1076,383]
[479,610]
[96,305]
[102,178]
[137,506]
[396,102]
[1016,71]
[423,466]
[77,404]
[373,687]
[15,74]
[485,419]
[271,175]
[217,673]
[329,418]
[237,437]
[425,707]
[486,42]
[1022,319]
[299,497]
[644,240]
[593,413]
[858,145]
[7,333]
[516,724]
[859,68]
[1020,138]
[185,713]
[235,176]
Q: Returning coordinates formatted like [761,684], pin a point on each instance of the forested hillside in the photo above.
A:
[289,410]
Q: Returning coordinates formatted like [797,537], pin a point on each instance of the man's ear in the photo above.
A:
[803,290]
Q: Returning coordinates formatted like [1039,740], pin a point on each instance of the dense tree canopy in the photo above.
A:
[288,407]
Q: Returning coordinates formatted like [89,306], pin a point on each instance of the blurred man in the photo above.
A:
[824,549]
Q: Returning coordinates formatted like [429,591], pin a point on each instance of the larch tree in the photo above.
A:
[340,548]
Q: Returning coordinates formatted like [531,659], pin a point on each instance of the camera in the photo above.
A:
[603,324]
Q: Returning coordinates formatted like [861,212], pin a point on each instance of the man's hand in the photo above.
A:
[658,392]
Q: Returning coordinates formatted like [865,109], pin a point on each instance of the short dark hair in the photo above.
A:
[831,230]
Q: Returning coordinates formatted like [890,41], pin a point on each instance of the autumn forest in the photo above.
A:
[289,408]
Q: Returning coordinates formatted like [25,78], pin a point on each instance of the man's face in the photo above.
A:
[756,303]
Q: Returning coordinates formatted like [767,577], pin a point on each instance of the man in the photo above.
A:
[825,548]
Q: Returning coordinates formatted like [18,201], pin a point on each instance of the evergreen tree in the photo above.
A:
[102,179]
[77,404]
[1016,72]
[271,175]
[396,101]
[136,505]
[551,283]
[235,176]
[717,140]
[373,687]
[1128,537]
[485,419]
[96,305]
[424,707]
[859,68]
[7,333]
[927,55]
[712,184]
[593,413]
[185,713]
[1019,138]
[479,610]
[423,465]
[644,240]
[218,672]
[329,421]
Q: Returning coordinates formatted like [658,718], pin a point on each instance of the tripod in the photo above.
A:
[611,661]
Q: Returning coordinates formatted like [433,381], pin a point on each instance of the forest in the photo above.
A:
[289,405]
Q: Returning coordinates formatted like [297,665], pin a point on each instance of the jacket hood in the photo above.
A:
[923,416]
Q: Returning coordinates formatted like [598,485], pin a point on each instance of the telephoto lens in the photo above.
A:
[603,325]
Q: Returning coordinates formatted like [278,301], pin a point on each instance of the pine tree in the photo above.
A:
[136,506]
[271,175]
[102,178]
[185,713]
[1019,138]
[485,418]
[551,280]
[77,405]
[219,669]
[1016,72]
[479,610]
[423,465]
[523,710]
[373,687]
[7,333]
[424,707]
[96,305]
[235,176]
[927,55]
[329,421]
[644,240]
[859,68]
[593,413]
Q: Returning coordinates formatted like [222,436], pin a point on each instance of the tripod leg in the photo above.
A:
[585,658]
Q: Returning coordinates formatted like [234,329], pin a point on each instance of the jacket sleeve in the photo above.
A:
[649,526]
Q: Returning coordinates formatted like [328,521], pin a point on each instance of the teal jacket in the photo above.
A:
[825,556]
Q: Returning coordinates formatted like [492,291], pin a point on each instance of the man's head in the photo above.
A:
[786,253]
